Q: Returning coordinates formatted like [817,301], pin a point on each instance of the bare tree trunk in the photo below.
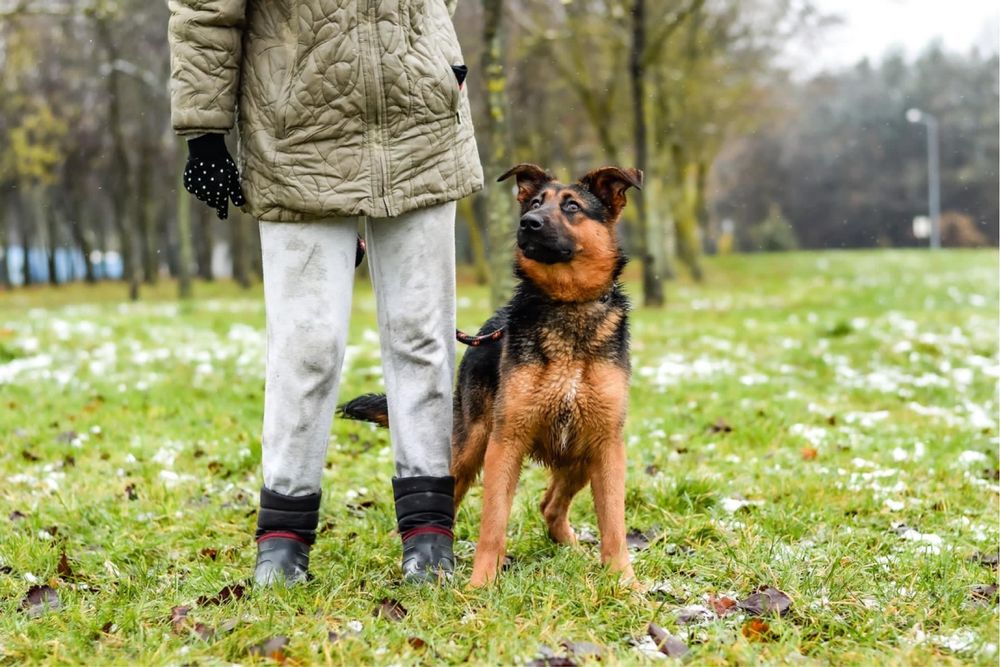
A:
[204,244]
[145,220]
[80,238]
[183,233]
[48,211]
[499,202]
[5,281]
[467,207]
[120,172]
[652,279]
[237,242]
[24,232]
[102,243]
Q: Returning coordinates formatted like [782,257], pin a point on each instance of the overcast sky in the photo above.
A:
[872,27]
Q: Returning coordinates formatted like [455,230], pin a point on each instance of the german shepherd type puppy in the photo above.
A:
[554,387]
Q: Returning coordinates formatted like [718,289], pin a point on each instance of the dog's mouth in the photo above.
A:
[544,253]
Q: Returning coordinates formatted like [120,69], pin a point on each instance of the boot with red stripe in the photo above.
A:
[286,530]
[425,514]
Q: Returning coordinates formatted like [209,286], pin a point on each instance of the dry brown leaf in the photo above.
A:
[273,648]
[390,610]
[767,600]
[40,599]
[757,630]
[666,642]
[227,594]
[809,453]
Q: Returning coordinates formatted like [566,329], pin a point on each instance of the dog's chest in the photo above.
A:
[576,406]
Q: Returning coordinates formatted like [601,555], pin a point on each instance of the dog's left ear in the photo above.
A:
[530,179]
[609,185]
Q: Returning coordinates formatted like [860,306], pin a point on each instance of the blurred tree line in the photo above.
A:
[838,166]
[688,90]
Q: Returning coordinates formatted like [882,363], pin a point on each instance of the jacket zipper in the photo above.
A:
[378,152]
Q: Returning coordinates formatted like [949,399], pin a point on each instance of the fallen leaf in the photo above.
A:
[652,470]
[179,618]
[273,648]
[203,631]
[130,492]
[667,643]
[209,552]
[985,593]
[636,541]
[588,650]
[69,461]
[548,658]
[40,599]
[108,628]
[694,614]
[809,453]
[63,568]
[29,456]
[757,630]
[985,559]
[720,426]
[390,610]
[639,541]
[767,600]
[17,515]
[229,626]
[227,594]
[417,643]
[722,605]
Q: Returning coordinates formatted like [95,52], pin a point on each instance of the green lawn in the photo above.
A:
[825,424]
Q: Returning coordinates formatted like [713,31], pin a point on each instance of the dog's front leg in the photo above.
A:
[500,474]
[607,481]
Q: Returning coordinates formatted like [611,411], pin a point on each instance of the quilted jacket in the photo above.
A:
[343,107]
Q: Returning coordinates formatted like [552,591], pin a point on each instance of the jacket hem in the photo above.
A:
[277,214]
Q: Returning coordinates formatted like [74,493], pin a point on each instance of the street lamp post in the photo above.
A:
[933,174]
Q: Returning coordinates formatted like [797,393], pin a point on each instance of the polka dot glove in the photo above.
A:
[211,175]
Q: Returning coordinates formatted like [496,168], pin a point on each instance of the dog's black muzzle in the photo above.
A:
[543,241]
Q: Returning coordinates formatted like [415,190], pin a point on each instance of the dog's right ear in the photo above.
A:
[530,179]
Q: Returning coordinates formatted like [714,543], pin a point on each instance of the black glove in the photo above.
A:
[210,174]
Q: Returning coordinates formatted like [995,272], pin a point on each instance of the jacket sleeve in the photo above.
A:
[206,52]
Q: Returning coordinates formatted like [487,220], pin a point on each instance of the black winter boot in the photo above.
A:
[425,514]
[286,530]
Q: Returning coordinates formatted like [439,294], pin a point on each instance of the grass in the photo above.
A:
[860,389]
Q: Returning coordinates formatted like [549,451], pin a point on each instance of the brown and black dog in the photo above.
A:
[554,387]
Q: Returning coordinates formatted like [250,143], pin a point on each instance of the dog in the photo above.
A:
[553,384]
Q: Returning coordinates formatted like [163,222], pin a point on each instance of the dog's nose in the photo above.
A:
[532,222]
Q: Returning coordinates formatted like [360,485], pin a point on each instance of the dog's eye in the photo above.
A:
[535,204]
[571,207]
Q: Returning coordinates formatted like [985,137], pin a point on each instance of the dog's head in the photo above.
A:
[567,243]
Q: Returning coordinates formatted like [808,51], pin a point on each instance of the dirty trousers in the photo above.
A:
[308,279]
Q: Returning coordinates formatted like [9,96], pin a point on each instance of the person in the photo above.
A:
[344,110]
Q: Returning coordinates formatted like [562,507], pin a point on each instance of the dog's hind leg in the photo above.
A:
[565,484]
[467,457]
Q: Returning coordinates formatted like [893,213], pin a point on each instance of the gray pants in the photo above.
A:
[308,278]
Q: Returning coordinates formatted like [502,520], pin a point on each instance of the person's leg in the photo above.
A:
[412,263]
[308,278]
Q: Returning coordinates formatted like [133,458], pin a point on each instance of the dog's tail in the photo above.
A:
[368,408]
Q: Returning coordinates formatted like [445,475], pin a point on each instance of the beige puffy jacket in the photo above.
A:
[344,107]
